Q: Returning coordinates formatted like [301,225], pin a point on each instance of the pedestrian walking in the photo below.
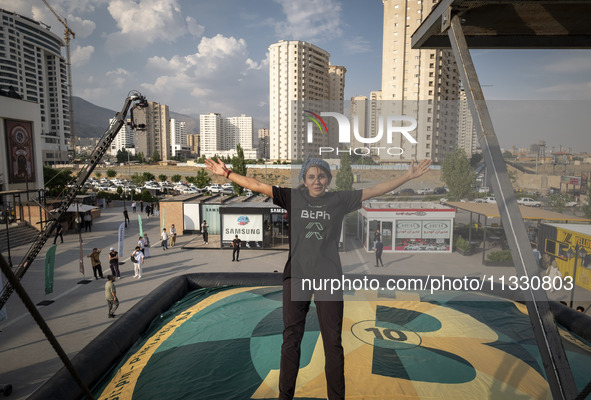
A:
[133,206]
[172,235]
[95,260]
[314,254]
[87,222]
[141,206]
[79,223]
[164,237]
[137,258]
[146,246]
[379,249]
[140,244]
[111,296]
[58,232]
[204,231]
[236,248]
[114,262]
[376,238]
[148,209]
[126,216]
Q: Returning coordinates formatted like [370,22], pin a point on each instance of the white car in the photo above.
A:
[214,188]
[425,191]
[479,201]
[490,200]
[529,202]
[571,204]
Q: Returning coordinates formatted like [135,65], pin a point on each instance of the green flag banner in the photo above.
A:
[49,263]
[139,220]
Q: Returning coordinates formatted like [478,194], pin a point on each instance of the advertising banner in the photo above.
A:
[121,238]
[248,227]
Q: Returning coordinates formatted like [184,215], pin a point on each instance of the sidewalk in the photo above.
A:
[78,312]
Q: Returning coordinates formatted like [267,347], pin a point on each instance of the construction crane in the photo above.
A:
[134,102]
[67,33]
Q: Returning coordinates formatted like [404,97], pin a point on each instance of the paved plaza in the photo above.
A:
[78,312]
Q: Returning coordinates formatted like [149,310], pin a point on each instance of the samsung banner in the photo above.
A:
[248,227]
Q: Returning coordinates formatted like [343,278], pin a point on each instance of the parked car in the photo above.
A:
[529,202]
[424,191]
[483,189]
[479,201]
[571,204]
[490,200]
[405,192]
[439,190]
[214,188]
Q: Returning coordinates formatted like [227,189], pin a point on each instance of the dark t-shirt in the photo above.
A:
[315,229]
[236,243]
[379,248]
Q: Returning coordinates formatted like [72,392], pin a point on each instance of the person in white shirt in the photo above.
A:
[140,244]
[137,257]
[164,237]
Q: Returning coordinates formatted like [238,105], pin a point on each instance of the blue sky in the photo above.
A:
[211,56]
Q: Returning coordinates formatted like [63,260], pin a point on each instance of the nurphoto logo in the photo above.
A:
[345,133]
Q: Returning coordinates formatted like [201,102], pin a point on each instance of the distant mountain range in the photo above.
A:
[91,121]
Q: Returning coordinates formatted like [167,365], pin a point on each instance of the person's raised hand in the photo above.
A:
[217,168]
[416,170]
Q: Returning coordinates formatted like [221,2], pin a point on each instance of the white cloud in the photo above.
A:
[82,27]
[81,55]
[218,77]
[357,45]
[570,65]
[144,22]
[568,91]
[310,20]
[194,28]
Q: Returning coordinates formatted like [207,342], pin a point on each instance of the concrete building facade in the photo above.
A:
[422,84]
[467,139]
[178,139]
[220,136]
[31,65]
[301,79]
[156,137]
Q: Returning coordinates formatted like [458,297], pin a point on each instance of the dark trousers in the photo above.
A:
[97,269]
[330,317]
[205,236]
[115,269]
[56,235]
[236,253]
[379,258]
[113,305]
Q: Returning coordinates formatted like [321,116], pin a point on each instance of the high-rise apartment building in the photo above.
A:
[422,84]
[156,138]
[178,139]
[467,139]
[300,79]
[193,143]
[220,136]
[123,140]
[263,149]
[32,65]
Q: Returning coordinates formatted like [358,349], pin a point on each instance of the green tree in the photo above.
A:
[122,156]
[148,176]
[558,201]
[345,174]
[507,154]
[239,167]
[162,177]
[141,158]
[138,179]
[111,173]
[155,156]
[56,180]
[202,179]
[587,205]
[457,174]
[98,174]
[475,159]
[176,177]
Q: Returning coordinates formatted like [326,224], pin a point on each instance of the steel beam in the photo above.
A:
[556,365]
